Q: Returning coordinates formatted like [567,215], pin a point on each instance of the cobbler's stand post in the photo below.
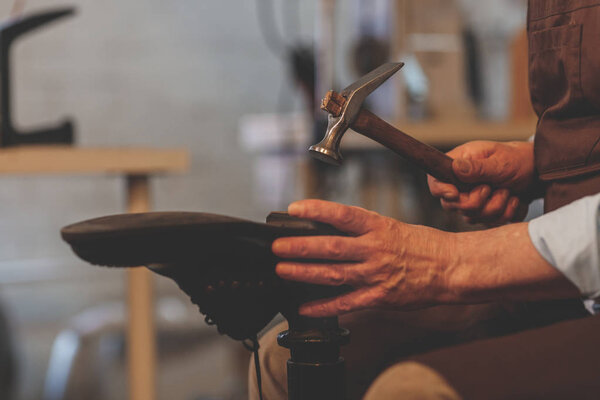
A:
[315,370]
[141,345]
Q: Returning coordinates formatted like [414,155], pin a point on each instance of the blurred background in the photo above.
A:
[237,84]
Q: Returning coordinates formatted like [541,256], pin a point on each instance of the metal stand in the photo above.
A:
[315,370]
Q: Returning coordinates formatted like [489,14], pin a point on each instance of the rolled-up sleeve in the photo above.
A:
[568,239]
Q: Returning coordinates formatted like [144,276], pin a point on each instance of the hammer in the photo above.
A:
[345,111]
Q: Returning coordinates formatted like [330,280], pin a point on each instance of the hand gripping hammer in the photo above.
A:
[345,111]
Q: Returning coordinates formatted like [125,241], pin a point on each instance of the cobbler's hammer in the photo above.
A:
[345,111]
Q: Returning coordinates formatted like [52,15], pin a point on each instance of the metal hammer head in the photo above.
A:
[343,109]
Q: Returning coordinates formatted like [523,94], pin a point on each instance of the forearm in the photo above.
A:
[389,264]
[502,264]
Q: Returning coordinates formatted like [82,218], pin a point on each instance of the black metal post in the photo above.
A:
[315,370]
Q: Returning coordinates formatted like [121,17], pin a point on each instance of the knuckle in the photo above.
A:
[345,215]
[381,295]
[336,278]
[322,309]
[367,245]
[388,224]
[372,216]
[333,248]
[344,304]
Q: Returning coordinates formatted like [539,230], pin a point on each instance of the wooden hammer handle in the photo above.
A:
[431,160]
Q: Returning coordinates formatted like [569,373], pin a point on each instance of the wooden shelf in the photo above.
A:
[447,134]
[77,160]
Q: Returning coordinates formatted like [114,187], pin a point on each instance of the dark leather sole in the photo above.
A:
[224,264]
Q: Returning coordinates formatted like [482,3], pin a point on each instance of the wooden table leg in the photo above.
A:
[141,344]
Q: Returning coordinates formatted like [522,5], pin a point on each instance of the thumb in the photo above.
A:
[476,171]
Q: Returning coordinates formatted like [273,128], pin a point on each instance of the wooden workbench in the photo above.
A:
[136,165]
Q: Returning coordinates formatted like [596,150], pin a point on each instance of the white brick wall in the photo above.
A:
[139,72]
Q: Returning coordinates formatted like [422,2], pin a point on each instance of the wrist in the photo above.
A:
[532,187]
[454,270]
[502,264]
[472,268]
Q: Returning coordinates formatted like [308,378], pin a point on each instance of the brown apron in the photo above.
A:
[564,80]
[554,362]
[564,68]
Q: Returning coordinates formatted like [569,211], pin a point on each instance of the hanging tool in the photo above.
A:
[9,32]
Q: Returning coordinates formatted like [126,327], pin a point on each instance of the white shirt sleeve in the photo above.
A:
[568,239]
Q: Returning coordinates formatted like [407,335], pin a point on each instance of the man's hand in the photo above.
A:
[388,263]
[507,176]
[394,265]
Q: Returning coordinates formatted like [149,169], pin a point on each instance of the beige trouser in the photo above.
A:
[378,340]
[411,381]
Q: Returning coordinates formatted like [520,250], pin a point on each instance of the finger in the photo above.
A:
[318,274]
[469,202]
[359,299]
[345,218]
[496,205]
[515,211]
[511,210]
[477,149]
[320,248]
[510,214]
[478,170]
[467,150]
[441,189]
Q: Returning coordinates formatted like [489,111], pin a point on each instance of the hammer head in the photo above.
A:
[343,109]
